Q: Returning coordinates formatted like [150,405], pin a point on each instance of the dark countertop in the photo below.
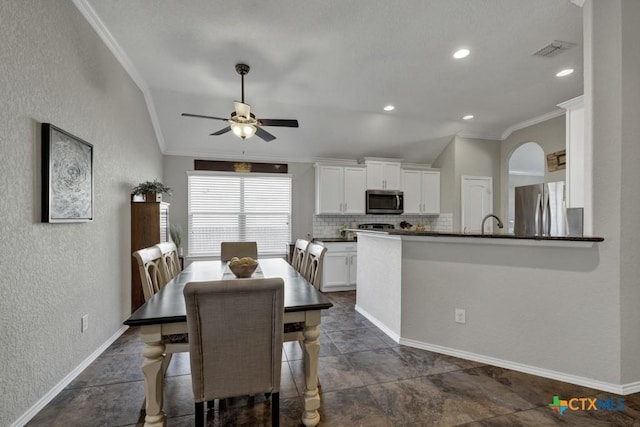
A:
[334,239]
[486,236]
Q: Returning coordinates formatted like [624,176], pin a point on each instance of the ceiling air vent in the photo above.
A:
[553,48]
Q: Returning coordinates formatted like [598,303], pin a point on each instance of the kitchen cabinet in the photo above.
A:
[149,226]
[340,190]
[421,190]
[383,175]
[339,266]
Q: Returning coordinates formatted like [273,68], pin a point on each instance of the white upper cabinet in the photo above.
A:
[354,190]
[421,191]
[383,175]
[340,190]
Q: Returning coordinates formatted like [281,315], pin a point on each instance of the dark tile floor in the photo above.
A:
[366,380]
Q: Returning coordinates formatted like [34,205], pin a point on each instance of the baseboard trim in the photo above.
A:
[378,324]
[44,400]
[621,389]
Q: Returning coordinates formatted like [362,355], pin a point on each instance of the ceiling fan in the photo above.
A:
[243,122]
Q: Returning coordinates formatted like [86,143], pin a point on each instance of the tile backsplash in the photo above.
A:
[329,225]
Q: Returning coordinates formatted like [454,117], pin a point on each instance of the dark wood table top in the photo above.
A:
[167,306]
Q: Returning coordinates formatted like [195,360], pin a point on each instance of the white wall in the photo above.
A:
[55,69]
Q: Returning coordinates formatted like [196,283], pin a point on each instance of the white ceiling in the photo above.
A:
[334,64]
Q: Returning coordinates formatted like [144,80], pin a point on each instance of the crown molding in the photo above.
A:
[531,122]
[243,157]
[103,32]
[578,101]
[471,135]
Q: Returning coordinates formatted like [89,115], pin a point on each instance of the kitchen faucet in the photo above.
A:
[499,223]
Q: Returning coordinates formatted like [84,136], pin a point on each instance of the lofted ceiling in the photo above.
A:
[334,64]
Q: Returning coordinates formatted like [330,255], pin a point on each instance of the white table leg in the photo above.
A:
[153,383]
[311,350]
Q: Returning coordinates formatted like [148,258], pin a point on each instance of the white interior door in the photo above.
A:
[477,202]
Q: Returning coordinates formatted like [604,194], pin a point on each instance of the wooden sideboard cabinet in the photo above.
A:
[149,226]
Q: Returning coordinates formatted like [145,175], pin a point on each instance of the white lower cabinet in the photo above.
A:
[339,266]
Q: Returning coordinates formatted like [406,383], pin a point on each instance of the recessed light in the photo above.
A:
[389,108]
[565,72]
[468,117]
[462,53]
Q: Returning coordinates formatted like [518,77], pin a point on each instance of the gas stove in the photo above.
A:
[376,226]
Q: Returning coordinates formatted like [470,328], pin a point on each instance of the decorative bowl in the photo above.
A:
[243,271]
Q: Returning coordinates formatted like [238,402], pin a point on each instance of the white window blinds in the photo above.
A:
[239,207]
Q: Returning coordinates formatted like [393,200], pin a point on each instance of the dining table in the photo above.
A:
[164,315]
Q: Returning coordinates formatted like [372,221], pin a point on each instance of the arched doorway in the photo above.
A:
[526,166]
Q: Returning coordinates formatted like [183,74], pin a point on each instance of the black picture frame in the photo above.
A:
[67,176]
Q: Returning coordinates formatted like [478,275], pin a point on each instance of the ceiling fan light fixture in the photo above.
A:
[243,130]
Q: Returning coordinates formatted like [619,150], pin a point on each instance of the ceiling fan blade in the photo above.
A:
[203,117]
[242,109]
[221,131]
[264,134]
[277,122]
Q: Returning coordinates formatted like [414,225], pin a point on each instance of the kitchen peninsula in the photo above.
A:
[504,300]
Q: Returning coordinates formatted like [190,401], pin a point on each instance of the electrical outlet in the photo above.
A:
[461,316]
[84,325]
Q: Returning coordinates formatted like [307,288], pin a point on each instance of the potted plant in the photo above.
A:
[152,190]
[176,235]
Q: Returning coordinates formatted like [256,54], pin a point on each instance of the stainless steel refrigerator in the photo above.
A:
[540,210]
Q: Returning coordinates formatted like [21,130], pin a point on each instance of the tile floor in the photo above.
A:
[366,380]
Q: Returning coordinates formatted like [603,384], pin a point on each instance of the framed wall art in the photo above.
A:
[67,176]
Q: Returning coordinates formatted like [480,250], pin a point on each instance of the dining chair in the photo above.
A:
[150,268]
[229,250]
[235,339]
[299,259]
[170,260]
[315,260]
[153,279]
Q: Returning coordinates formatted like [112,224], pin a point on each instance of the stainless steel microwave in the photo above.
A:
[385,202]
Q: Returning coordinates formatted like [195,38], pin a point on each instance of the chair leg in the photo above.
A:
[199,414]
[275,409]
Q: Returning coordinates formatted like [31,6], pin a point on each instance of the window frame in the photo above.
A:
[241,215]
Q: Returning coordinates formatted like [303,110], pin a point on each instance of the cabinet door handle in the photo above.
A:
[345,207]
[341,207]
[346,260]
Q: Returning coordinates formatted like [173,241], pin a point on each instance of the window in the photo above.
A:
[239,207]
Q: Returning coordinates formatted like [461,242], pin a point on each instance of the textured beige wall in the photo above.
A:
[612,92]
[55,69]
